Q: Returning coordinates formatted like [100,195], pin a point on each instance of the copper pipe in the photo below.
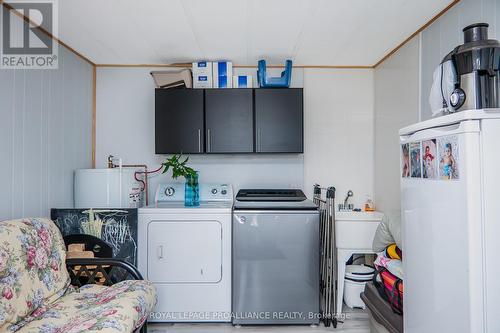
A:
[112,165]
[145,177]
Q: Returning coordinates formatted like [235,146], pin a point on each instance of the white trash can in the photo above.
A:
[356,277]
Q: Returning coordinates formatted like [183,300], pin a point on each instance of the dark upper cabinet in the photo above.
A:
[279,120]
[179,121]
[196,121]
[229,121]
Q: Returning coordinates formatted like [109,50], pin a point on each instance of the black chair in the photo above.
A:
[103,268]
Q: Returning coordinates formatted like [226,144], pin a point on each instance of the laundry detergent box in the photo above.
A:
[202,68]
[222,68]
[223,82]
[202,74]
[202,81]
[222,72]
[242,81]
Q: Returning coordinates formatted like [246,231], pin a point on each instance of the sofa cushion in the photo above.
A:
[32,267]
[123,307]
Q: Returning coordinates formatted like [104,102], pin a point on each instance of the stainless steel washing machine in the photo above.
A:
[276,258]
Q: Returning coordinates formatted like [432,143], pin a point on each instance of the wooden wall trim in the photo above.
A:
[94,114]
[81,56]
[60,42]
[422,28]
[187,65]
[234,66]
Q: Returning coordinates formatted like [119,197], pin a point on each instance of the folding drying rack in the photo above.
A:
[328,269]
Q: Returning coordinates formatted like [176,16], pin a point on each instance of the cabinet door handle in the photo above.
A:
[199,140]
[160,252]
[209,144]
[259,140]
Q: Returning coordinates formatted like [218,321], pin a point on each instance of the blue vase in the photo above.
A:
[192,191]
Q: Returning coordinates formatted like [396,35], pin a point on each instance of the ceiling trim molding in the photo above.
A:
[188,65]
[422,28]
[384,58]
[26,19]
[93,83]
[235,66]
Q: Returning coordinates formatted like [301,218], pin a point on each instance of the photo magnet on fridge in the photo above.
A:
[415,160]
[429,159]
[405,160]
[449,159]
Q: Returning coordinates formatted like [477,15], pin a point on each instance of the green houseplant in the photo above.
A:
[179,168]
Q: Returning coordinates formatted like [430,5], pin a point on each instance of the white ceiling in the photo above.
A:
[310,32]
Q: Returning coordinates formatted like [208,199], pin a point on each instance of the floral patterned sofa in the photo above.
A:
[36,294]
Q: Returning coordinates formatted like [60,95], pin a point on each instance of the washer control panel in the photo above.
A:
[208,192]
[219,192]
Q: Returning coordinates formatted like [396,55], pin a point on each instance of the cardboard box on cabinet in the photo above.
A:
[202,74]
[242,81]
[222,72]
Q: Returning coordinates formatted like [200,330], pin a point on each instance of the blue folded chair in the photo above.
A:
[274,82]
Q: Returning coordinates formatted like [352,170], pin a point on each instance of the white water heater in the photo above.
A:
[107,188]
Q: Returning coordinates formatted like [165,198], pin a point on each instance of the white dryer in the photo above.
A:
[186,253]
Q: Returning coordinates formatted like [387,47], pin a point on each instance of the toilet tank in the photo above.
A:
[107,188]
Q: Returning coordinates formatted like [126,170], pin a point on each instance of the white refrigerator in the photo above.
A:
[450,206]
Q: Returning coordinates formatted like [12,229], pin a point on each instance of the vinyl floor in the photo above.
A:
[356,321]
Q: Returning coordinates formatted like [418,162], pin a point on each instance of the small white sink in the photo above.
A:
[359,216]
[355,230]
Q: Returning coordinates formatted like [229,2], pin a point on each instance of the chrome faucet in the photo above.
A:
[349,194]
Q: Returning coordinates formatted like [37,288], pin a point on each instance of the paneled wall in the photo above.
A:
[396,106]
[446,33]
[397,83]
[125,129]
[338,147]
[338,133]
[45,133]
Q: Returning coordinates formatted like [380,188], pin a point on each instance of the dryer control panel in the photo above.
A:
[208,192]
